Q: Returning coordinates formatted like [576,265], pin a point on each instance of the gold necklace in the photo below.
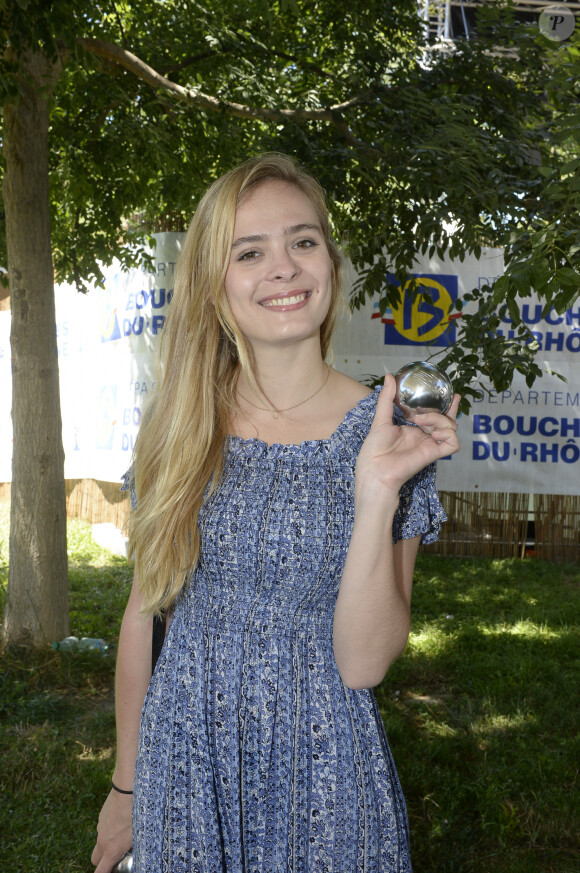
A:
[276,413]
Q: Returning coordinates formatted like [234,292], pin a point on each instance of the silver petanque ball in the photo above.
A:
[125,865]
[422,387]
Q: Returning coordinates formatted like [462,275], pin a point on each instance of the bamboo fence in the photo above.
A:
[557,527]
[479,524]
[97,502]
[482,524]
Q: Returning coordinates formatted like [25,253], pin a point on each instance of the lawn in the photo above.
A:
[482,714]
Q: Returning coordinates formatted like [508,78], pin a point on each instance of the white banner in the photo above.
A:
[106,344]
[522,440]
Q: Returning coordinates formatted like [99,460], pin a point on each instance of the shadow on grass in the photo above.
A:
[482,712]
[56,741]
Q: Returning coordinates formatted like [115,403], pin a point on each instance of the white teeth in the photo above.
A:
[286,301]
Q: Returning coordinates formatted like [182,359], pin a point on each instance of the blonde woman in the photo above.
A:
[279,506]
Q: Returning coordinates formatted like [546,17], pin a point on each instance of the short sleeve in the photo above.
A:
[129,485]
[420,511]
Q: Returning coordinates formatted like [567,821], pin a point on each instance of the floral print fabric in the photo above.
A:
[254,757]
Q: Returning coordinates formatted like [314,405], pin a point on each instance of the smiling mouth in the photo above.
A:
[289,300]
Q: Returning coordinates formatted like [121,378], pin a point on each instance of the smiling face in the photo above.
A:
[278,282]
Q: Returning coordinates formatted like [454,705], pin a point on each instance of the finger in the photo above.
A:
[429,421]
[444,435]
[453,409]
[103,866]
[107,862]
[384,410]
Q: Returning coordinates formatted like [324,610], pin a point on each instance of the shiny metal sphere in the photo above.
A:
[422,387]
[125,865]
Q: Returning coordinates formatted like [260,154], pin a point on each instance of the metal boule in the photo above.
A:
[125,865]
[422,387]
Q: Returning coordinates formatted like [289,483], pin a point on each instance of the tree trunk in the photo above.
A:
[37,603]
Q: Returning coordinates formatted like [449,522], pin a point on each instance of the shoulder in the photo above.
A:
[348,392]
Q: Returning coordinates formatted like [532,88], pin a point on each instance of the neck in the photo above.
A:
[284,379]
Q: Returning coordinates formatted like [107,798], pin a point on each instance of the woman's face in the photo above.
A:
[278,282]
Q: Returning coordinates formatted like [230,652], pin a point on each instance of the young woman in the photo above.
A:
[279,506]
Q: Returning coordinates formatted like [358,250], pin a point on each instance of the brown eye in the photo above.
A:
[305,244]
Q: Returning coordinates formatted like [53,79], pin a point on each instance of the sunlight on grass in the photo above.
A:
[429,639]
[80,544]
[89,754]
[500,723]
[526,629]
[83,549]
[430,723]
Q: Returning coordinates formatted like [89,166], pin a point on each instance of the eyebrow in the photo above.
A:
[263,237]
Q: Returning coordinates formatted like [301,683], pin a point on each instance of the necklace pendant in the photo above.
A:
[275,414]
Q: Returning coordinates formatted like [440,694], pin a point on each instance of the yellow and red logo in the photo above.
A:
[422,318]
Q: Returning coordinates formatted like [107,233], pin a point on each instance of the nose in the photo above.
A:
[284,267]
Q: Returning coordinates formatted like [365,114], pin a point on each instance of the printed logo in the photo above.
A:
[110,329]
[110,296]
[422,318]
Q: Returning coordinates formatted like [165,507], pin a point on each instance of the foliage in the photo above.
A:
[481,713]
[542,243]
[543,250]
[419,149]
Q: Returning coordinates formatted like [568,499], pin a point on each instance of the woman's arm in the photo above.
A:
[372,614]
[131,682]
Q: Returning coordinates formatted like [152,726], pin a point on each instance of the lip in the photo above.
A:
[284,297]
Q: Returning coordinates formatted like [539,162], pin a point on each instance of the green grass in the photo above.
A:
[57,722]
[482,714]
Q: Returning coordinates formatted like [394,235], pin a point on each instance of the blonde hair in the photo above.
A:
[180,447]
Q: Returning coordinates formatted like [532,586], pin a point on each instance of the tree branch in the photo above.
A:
[195,97]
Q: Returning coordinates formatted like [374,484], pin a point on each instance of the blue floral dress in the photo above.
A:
[254,757]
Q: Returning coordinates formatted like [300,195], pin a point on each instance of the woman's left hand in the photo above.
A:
[392,453]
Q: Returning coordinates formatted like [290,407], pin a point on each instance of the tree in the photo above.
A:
[38,556]
[142,105]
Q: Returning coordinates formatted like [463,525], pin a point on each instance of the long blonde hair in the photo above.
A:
[180,447]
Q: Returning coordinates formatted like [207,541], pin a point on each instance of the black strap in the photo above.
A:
[157,640]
